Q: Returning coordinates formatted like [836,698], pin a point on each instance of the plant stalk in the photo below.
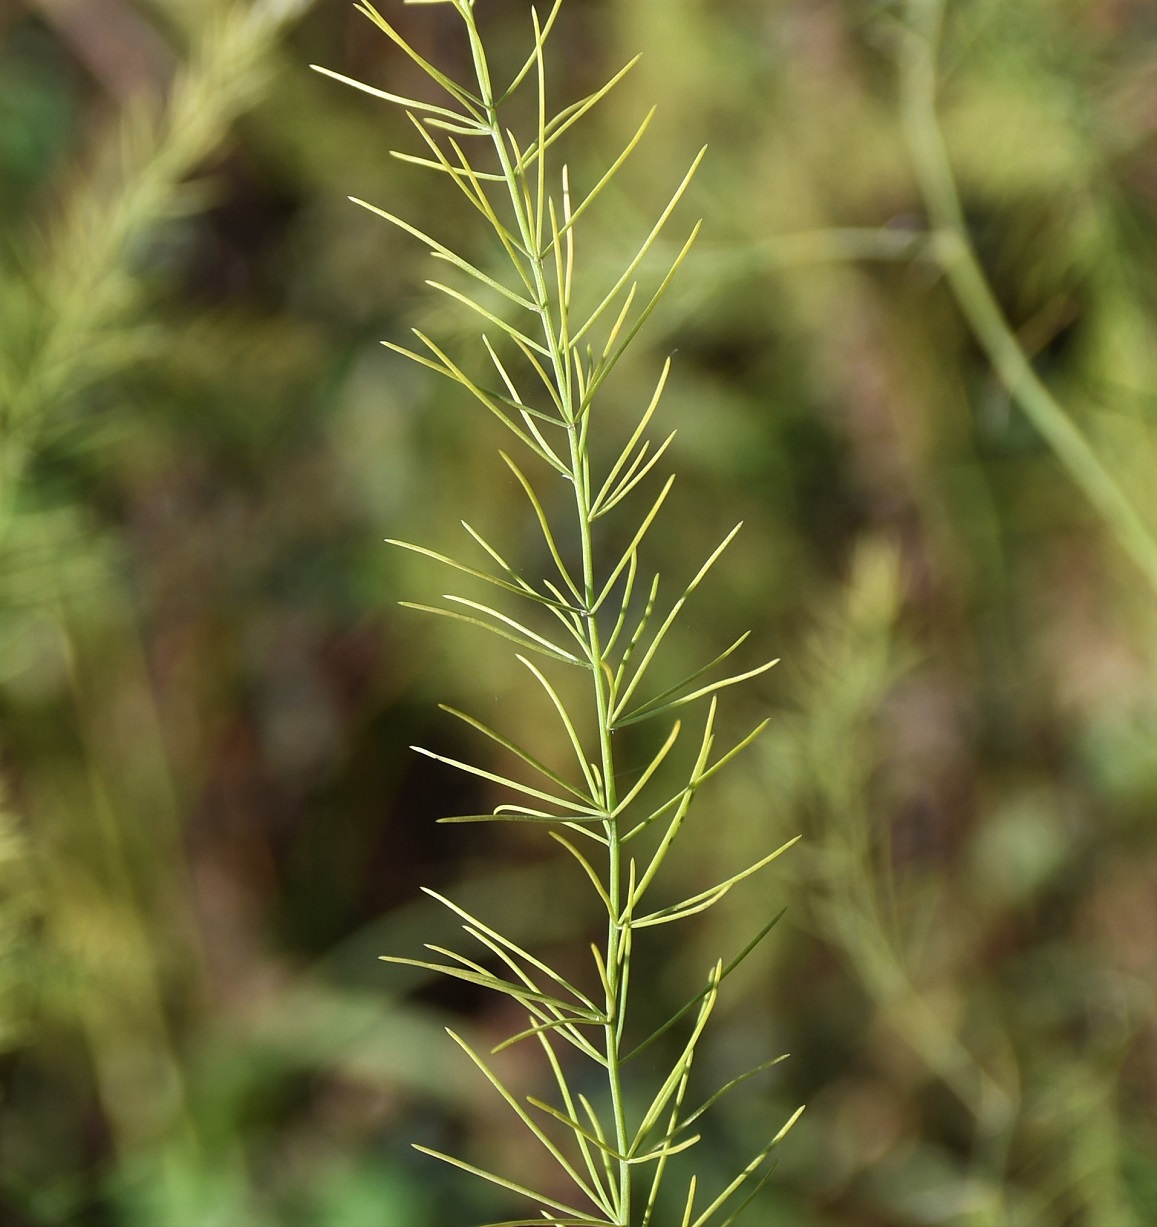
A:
[978,303]
[553,336]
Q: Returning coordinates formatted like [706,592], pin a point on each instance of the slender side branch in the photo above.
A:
[978,303]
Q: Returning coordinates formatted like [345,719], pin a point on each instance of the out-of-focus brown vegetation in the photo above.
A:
[211,825]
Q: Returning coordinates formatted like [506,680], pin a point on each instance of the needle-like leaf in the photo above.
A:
[465,98]
[522,589]
[452,257]
[575,1127]
[633,642]
[448,369]
[528,1121]
[727,1088]
[532,642]
[611,171]
[657,708]
[569,116]
[588,869]
[689,1209]
[493,933]
[650,769]
[641,254]
[679,1071]
[636,541]
[473,305]
[568,724]
[544,524]
[612,355]
[525,755]
[659,699]
[514,785]
[746,1174]
[484,980]
[708,898]
[576,1219]
[522,73]
[635,474]
[561,1026]
[676,609]
[633,441]
[690,1005]
[410,103]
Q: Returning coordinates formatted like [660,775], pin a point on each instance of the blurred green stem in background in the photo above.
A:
[957,257]
[104,841]
[85,289]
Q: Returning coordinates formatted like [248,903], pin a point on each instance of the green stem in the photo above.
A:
[554,333]
[978,303]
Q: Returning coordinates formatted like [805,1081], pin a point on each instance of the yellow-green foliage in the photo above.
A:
[913,350]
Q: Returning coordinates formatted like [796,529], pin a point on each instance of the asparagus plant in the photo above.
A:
[552,337]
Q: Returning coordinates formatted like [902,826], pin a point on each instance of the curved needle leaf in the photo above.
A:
[521,75]
[544,524]
[665,1151]
[690,1005]
[691,677]
[528,1121]
[484,980]
[570,115]
[399,99]
[649,771]
[560,1025]
[588,869]
[445,253]
[633,440]
[546,645]
[577,1217]
[612,170]
[568,724]
[641,254]
[463,96]
[467,181]
[730,1086]
[656,708]
[521,589]
[708,898]
[526,757]
[635,474]
[631,549]
[526,789]
[505,942]
[534,645]
[745,1175]
[738,748]
[660,634]
[478,309]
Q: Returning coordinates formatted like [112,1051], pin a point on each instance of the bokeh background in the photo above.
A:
[211,822]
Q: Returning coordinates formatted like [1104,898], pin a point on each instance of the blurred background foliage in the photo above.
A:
[211,825]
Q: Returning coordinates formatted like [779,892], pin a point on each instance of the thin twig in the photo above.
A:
[965,277]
